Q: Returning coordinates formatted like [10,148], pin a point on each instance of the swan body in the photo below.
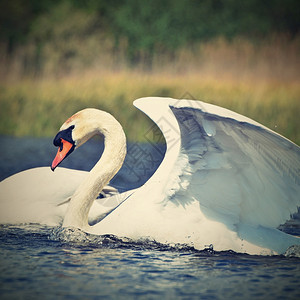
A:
[41,196]
[225,180]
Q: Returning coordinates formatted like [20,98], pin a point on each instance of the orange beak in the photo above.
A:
[64,149]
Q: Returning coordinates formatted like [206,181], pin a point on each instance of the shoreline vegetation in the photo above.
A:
[70,56]
[260,82]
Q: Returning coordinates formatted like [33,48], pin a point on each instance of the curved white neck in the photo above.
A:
[104,170]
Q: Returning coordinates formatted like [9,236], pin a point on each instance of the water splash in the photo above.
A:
[77,237]
[293,251]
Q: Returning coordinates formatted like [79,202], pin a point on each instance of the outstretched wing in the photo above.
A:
[239,171]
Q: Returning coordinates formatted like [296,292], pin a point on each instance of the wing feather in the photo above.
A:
[239,172]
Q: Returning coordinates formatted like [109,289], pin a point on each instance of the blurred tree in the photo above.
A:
[147,27]
[66,37]
[285,15]
[16,17]
[160,25]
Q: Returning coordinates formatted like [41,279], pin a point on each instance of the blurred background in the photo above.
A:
[59,56]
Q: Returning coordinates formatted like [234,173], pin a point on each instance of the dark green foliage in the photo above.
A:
[16,18]
[153,26]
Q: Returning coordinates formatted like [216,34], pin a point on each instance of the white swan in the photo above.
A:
[225,179]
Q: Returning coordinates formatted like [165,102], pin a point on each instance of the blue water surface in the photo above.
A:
[40,262]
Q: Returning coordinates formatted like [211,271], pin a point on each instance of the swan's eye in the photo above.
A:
[61,146]
[65,134]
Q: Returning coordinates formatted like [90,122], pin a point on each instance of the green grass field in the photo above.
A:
[39,107]
[261,83]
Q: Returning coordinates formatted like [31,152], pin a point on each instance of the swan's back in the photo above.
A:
[34,195]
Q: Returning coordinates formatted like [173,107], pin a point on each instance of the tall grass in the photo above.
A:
[260,81]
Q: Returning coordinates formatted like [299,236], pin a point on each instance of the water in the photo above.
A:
[38,262]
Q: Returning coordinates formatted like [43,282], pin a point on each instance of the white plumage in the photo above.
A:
[225,180]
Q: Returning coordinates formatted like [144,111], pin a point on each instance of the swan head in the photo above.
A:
[81,127]
[66,144]
[73,133]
